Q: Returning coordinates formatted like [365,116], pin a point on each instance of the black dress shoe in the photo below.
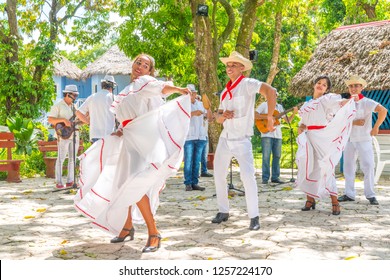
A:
[188,188]
[264,182]
[221,217]
[344,198]
[278,181]
[206,175]
[118,239]
[373,201]
[150,249]
[255,225]
[197,188]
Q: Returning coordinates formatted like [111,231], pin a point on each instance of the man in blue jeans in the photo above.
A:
[271,142]
[195,143]
[203,162]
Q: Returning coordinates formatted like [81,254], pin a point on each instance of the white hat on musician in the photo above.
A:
[71,89]
[109,78]
[192,87]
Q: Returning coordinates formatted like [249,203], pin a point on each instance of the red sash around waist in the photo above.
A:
[314,127]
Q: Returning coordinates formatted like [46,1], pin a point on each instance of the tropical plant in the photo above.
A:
[25,138]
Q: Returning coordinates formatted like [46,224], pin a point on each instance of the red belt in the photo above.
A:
[125,122]
[314,127]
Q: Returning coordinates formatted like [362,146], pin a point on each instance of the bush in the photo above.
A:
[23,130]
[32,165]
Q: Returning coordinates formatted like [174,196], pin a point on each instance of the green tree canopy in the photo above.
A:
[29,34]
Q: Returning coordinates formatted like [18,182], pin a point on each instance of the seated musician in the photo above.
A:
[271,142]
[62,112]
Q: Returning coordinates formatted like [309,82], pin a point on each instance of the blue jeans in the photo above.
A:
[271,145]
[192,156]
[203,160]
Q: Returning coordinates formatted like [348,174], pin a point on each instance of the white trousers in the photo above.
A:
[366,160]
[65,148]
[242,151]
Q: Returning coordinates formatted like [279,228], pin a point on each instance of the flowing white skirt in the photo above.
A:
[320,150]
[116,172]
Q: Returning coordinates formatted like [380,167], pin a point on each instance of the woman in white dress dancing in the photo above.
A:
[122,175]
[326,122]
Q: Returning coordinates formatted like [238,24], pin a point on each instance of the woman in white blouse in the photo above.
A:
[326,122]
[123,174]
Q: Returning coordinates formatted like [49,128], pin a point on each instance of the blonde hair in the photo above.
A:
[152,62]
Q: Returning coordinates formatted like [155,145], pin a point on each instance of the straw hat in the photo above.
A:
[354,79]
[237,57]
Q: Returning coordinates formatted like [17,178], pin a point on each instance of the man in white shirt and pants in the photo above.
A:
[101,120]
[236,114]
[360,142]
[62,112]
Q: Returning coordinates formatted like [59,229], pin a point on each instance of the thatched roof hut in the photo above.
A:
[113,62]
[65,68]
[362,49]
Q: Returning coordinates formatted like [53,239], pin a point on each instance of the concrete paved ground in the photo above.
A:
[39,224]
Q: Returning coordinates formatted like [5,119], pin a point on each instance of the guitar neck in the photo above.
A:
[278,116]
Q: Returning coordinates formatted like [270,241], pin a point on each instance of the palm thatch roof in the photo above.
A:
[113,62]
[362,49]
[65,68]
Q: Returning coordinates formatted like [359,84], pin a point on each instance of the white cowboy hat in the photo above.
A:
[71,89]
[192,87]
[237,57]
[354,79]
[108,78]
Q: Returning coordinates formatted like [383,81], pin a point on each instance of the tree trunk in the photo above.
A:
[247,26]
[206,64]
[276,49]
[46,54]
[12,54]
[208,44]
[370,10]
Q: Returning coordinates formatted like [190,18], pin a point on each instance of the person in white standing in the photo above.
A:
[236,113]
[195,142]
[101,120]
[271,143]
[62,112]
[203,159]
[360,142]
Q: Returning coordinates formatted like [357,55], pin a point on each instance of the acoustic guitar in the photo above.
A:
[261,124]
[66,131]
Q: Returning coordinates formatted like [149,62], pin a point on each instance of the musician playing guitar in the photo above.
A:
[62,112]
[271,142]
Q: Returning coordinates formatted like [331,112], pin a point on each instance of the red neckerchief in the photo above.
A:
[361,96]
[230,87]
